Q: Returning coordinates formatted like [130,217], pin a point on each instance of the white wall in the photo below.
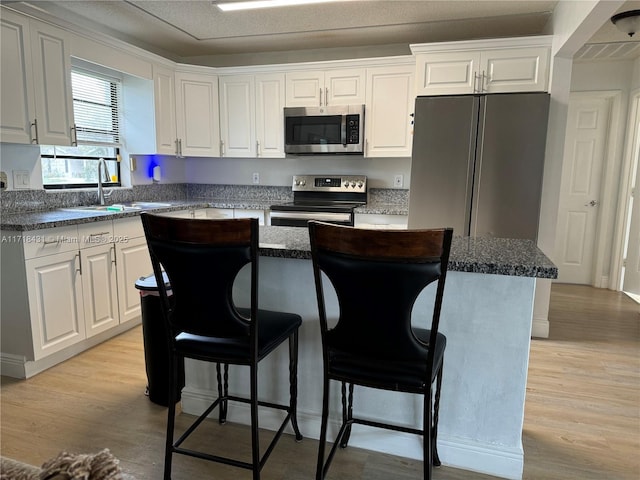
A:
[278,172]
[14,156]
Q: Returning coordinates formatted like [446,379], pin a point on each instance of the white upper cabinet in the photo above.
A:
[505,65]
[186,113]
[515,70]
[165,111]
[251,115]
[197,114]
[237,116]
[37,100]
[387,118]
[270,92]
[324,88]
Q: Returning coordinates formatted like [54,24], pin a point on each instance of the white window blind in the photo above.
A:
[95,108]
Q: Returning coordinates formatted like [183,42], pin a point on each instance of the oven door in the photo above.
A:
[300,219]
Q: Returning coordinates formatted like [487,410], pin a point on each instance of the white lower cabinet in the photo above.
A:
[98,273]
[55,302]
[99,289]
[66,289]
[132,262]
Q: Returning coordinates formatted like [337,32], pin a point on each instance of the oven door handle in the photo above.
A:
[320,216]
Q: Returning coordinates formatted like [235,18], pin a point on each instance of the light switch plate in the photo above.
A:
[21,180]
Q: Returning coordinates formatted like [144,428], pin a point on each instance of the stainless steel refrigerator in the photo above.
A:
[477,163]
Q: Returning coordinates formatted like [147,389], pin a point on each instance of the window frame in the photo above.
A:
[117,103]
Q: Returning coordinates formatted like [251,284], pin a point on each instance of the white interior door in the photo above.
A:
[631,282]
[585,147]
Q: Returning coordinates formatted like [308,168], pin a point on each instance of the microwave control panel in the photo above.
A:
[353,129]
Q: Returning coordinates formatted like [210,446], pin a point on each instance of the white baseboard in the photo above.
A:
[540,327]
[458,453]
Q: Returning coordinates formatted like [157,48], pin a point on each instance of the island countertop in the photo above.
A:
[500,256]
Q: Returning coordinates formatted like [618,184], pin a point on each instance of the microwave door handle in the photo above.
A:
[343,131]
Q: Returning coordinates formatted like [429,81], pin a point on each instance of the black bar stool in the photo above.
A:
[377,275]
[201,259]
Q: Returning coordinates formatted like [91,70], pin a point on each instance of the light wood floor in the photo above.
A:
[582,410]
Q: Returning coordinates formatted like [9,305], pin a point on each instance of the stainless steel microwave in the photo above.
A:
[332,129]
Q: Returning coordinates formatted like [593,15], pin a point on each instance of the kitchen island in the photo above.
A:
[486,316]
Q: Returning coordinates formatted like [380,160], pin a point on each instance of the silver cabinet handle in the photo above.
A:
[258,148]
[177,148]
[321,97]
[51,242]
[222,148]
[35,128]
[326,95]
[114,259]
[79,269]
[482,82]
[74,135]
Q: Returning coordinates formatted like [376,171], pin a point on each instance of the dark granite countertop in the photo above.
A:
[27,221]
[480,255]
[500,256]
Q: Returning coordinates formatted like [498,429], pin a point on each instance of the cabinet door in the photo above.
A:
[133,262]
[52,85]
[197,114]
[345,87]
[165,111]
[270,93]
[55,302]
[515,70]
[237,116]
[305,89]
[447,73]
[99,288]
[388,110]
[16,85]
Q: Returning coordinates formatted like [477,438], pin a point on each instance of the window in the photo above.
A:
[96,111]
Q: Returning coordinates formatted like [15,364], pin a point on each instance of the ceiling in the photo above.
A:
[196,31]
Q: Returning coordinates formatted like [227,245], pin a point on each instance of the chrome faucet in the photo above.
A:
[102,168]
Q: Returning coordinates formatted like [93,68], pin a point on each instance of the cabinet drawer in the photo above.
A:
[94,234]
[130,227]
[39,243]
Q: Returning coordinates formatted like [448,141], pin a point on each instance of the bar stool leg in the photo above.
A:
[323,430]
[171,415]
[436,412]
[293,384]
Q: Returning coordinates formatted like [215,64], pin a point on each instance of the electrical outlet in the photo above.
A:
[398,181]
[21,180]
[256,178]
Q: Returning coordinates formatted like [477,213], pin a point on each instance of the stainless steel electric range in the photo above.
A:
[324,198]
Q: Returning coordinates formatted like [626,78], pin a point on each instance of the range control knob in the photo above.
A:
[353,184]
[346,184]
[360,184]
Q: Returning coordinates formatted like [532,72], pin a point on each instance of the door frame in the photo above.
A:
[621,227]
